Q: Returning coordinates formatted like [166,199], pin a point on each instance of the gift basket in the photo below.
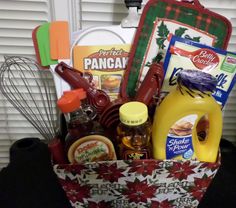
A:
[145,134]
[146,183]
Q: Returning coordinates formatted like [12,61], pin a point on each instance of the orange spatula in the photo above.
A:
[59,40]
[60,50]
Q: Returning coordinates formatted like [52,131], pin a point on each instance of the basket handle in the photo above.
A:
[194,2]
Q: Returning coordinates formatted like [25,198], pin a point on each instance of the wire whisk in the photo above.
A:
[30,90]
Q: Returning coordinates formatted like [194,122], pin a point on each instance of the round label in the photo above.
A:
[90,149]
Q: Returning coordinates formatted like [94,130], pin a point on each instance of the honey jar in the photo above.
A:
[134,131]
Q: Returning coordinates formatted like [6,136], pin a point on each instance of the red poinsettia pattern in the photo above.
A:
[210,166]
[181,171]
[144,167]
[73,168]
[136,183]
[200,187]
[74,191]
[101,204]
[139,191]
[109,172]
[163,204]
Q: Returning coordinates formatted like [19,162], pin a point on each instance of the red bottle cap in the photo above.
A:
[80,92]
[70,100]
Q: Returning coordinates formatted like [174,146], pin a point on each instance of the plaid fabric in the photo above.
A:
[170,10]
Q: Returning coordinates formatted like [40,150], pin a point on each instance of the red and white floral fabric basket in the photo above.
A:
[137,183]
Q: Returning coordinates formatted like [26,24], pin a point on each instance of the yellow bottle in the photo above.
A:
[174,133]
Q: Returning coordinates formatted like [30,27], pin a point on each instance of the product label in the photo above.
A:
[229,64]
[179,139]
[203,59]
[134,155]
[186,54]
[91,148]
[106,63]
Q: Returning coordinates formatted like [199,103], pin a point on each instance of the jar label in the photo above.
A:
[179,139]
[134,155]
[91,148]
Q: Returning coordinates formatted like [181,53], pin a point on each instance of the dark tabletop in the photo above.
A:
[222,191]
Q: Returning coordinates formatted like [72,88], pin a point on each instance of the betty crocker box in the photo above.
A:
[186,54]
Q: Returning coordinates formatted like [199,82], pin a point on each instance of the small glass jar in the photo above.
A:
[134,132]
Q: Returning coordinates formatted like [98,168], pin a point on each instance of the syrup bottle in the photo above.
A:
[86,140]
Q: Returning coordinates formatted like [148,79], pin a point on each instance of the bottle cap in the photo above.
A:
[80,92]
[197,80]
[133,113]
[70,100]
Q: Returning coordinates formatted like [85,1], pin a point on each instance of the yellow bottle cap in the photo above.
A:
[133,113]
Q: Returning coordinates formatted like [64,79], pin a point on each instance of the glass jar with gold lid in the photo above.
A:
[134,131]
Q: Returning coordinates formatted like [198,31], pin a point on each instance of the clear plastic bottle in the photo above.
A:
[86,140]
[134,131]
[174,134]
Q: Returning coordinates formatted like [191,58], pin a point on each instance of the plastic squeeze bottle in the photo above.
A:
[174,131]
[86,141]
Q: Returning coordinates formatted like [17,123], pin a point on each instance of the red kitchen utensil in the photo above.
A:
[110,115]
[150,87]
[202,58]
[151,84]
[97,98]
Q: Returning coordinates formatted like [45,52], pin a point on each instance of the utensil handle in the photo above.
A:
[72,77]
[57,151]
[98,98]
[151,84]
